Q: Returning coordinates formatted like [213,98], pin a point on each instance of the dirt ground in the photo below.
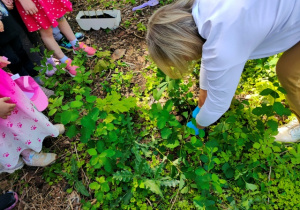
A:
[34,192]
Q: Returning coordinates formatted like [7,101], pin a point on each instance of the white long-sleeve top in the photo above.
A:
[235,31]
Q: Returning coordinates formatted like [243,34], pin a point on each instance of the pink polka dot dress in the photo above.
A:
[26,128]
[48,13]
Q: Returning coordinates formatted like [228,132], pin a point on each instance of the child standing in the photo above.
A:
[22,129]
[41,15]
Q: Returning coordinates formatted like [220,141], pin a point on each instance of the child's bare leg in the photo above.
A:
[65,28]
[51,44]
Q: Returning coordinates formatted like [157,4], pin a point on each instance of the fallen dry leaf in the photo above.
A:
[118,54]
[129,51]
[141,59]
[122,33]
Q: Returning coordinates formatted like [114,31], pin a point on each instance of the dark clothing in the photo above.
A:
[11,27]
[34,37]
[20,62]
[11,46]
[8,200]
[29,39]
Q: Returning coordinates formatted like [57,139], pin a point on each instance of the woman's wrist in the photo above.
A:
[200,127]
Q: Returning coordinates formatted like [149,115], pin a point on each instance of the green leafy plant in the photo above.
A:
[137,153]
[73,178]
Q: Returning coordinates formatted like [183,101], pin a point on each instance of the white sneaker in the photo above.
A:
[47,92]
[60,127]
[289,133]
[40,159]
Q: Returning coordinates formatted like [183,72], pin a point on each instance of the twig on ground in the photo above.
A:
[284,152]
[23,177]
[94,201]
[23,202]
[108,75]
[42,201]
[149,202]
[70,203]
[269,178]
[137,36]
[130,64]
[87,179]
[175,199]
[132,33]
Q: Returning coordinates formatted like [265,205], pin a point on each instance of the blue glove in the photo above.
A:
[190,124]
[195,112]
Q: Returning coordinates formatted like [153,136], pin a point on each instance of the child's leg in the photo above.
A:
[50,42]
[65,28]
[56,34]
[17,46]
[67,31]
[13,54]
[15,66]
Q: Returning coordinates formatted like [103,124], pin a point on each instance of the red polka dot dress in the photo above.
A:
[48,13]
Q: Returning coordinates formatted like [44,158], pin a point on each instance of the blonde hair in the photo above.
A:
[173,38]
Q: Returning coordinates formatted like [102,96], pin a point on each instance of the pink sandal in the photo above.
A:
[89,50]
[61,128]
[71,69]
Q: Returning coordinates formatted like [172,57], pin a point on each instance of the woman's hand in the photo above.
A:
[29,7]
[9,4]
[3,62]
[1,26]
[6,108]
[202,98]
